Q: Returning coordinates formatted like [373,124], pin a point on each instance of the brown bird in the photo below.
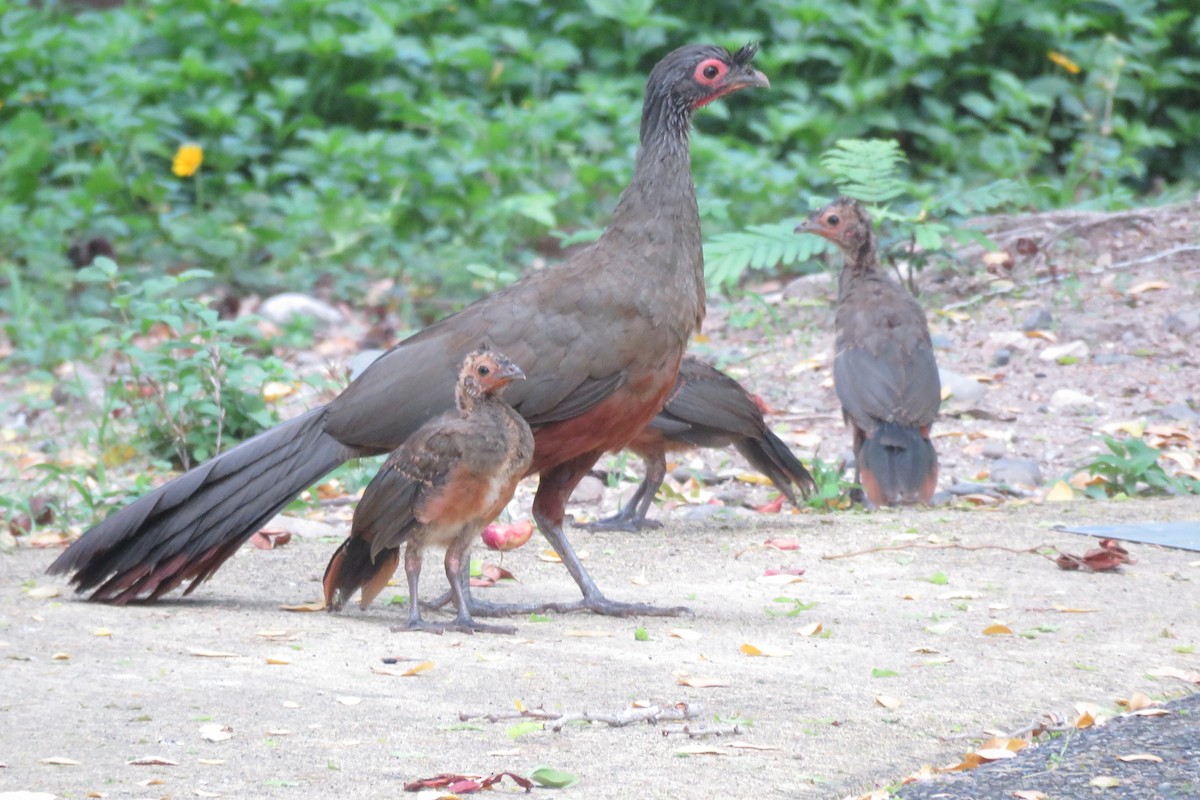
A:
[883,366]
[441,487]
[707,408]
[600,338]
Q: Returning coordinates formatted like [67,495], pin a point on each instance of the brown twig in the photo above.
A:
[555,721]
[1037,551]
[701,731]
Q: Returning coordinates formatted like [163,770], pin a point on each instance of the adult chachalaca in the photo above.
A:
[440,488]
[883,365]
[600,338]
[707,408]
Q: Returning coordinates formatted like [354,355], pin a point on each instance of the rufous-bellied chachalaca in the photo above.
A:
[440,488]
[883,365]
[707,408]
[600,338]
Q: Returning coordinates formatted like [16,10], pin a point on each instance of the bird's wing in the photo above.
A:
[884,369]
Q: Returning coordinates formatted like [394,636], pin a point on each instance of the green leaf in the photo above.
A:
[553,778]
[884,673]
[519,729]
[641,634]
[866,169]
[938,579]
[539,617]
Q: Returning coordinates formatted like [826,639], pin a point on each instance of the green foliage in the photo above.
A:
[866,169]
[833,490]
[189,381]
[1131,467]
[761,247]
[440,145]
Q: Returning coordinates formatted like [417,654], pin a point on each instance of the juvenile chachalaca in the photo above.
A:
[707,408]
[600,338]
[883,365]
[440,488]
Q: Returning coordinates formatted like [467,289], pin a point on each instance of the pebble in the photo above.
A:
[962,388]
[1183,323]
[1108,359]
[1001,357]
[282,308]
[1039,320]
[1071,400]
[994,448]
[1077,349]
[1017,471]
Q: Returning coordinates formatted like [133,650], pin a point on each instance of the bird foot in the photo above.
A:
[468,625]
[619,522]
[600,604]
[420,625]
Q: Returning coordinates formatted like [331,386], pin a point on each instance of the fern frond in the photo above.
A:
[981,199]
[866,169]
[729,255]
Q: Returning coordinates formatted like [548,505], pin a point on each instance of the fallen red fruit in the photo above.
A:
[783,543]
[783,571]
[507,537]
[773,507]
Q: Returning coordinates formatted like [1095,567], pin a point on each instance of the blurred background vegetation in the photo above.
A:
[451,146]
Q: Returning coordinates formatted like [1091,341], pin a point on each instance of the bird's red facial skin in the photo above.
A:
[710,71]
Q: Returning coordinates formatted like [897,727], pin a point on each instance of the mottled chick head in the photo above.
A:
[845,223]
[486,371]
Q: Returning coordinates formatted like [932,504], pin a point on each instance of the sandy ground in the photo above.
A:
[104,686]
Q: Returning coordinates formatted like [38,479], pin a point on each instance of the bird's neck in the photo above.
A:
[861,262]
[657,217]
[465,401]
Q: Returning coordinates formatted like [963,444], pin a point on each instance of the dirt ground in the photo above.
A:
[899,674]
[104,686]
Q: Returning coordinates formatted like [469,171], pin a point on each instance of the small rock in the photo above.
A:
[994,448]
[1017,472]
[1108,359]
[1180,412]
[1071,400]
[1077,349]
[284,307]
[961,388]
[1001,357]
[590,491]
[1039,320]
[1183,324]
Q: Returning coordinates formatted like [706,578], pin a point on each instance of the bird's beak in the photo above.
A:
[751,77]
[744,78]
[509,372]
[808,226]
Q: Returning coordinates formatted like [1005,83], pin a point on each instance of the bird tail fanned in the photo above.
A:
[188,527]
[352,568]
[898,466]
[770,456]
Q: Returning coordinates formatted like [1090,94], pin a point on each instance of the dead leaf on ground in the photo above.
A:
[1060,492]
[216,732]
[773,507]
[764,651]
[349,700]
[779,579]
[584,633]
[751,746]
[152,761]
[887,701]
[312,605]
[811,629]
[1109,556]
[466,784]
[200,652]
[997,630]
[103,633]
[687,634]
[1174,672]
[1141,757]
[1105,782]
[59,761]
[783,543]
[1030,794]
[43,592]
[701,750]
[1135,703]
[277,662]
[701,683]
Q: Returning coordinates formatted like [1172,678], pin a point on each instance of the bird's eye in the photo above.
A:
[708,71]
[483,370]
[833,219]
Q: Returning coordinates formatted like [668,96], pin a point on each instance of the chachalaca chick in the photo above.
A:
[440,488]
[883,366]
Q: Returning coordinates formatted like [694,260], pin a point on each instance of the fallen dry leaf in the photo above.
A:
[102,632]
[61,657]
[778,579]
[1147,286]
[751,746]
[1141,757]
[312,605]
[211,762]
[1136,703]
[995,753]
[763,651]
[418,669]
[783,543]
[349,700]
[687,634]
[1105,782]
[1030,794]
[216,732]
[59,761]
[277,662]
[887,701]
[701,683]
[43,592]
[270,539]
[1173,672]
[1110,555]
[811,629]
[200,652]
[773,507]
[1060,492]
[584,633]
[152,761]
[997,630]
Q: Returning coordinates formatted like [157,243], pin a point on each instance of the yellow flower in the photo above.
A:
[1064,62]
[188,159]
